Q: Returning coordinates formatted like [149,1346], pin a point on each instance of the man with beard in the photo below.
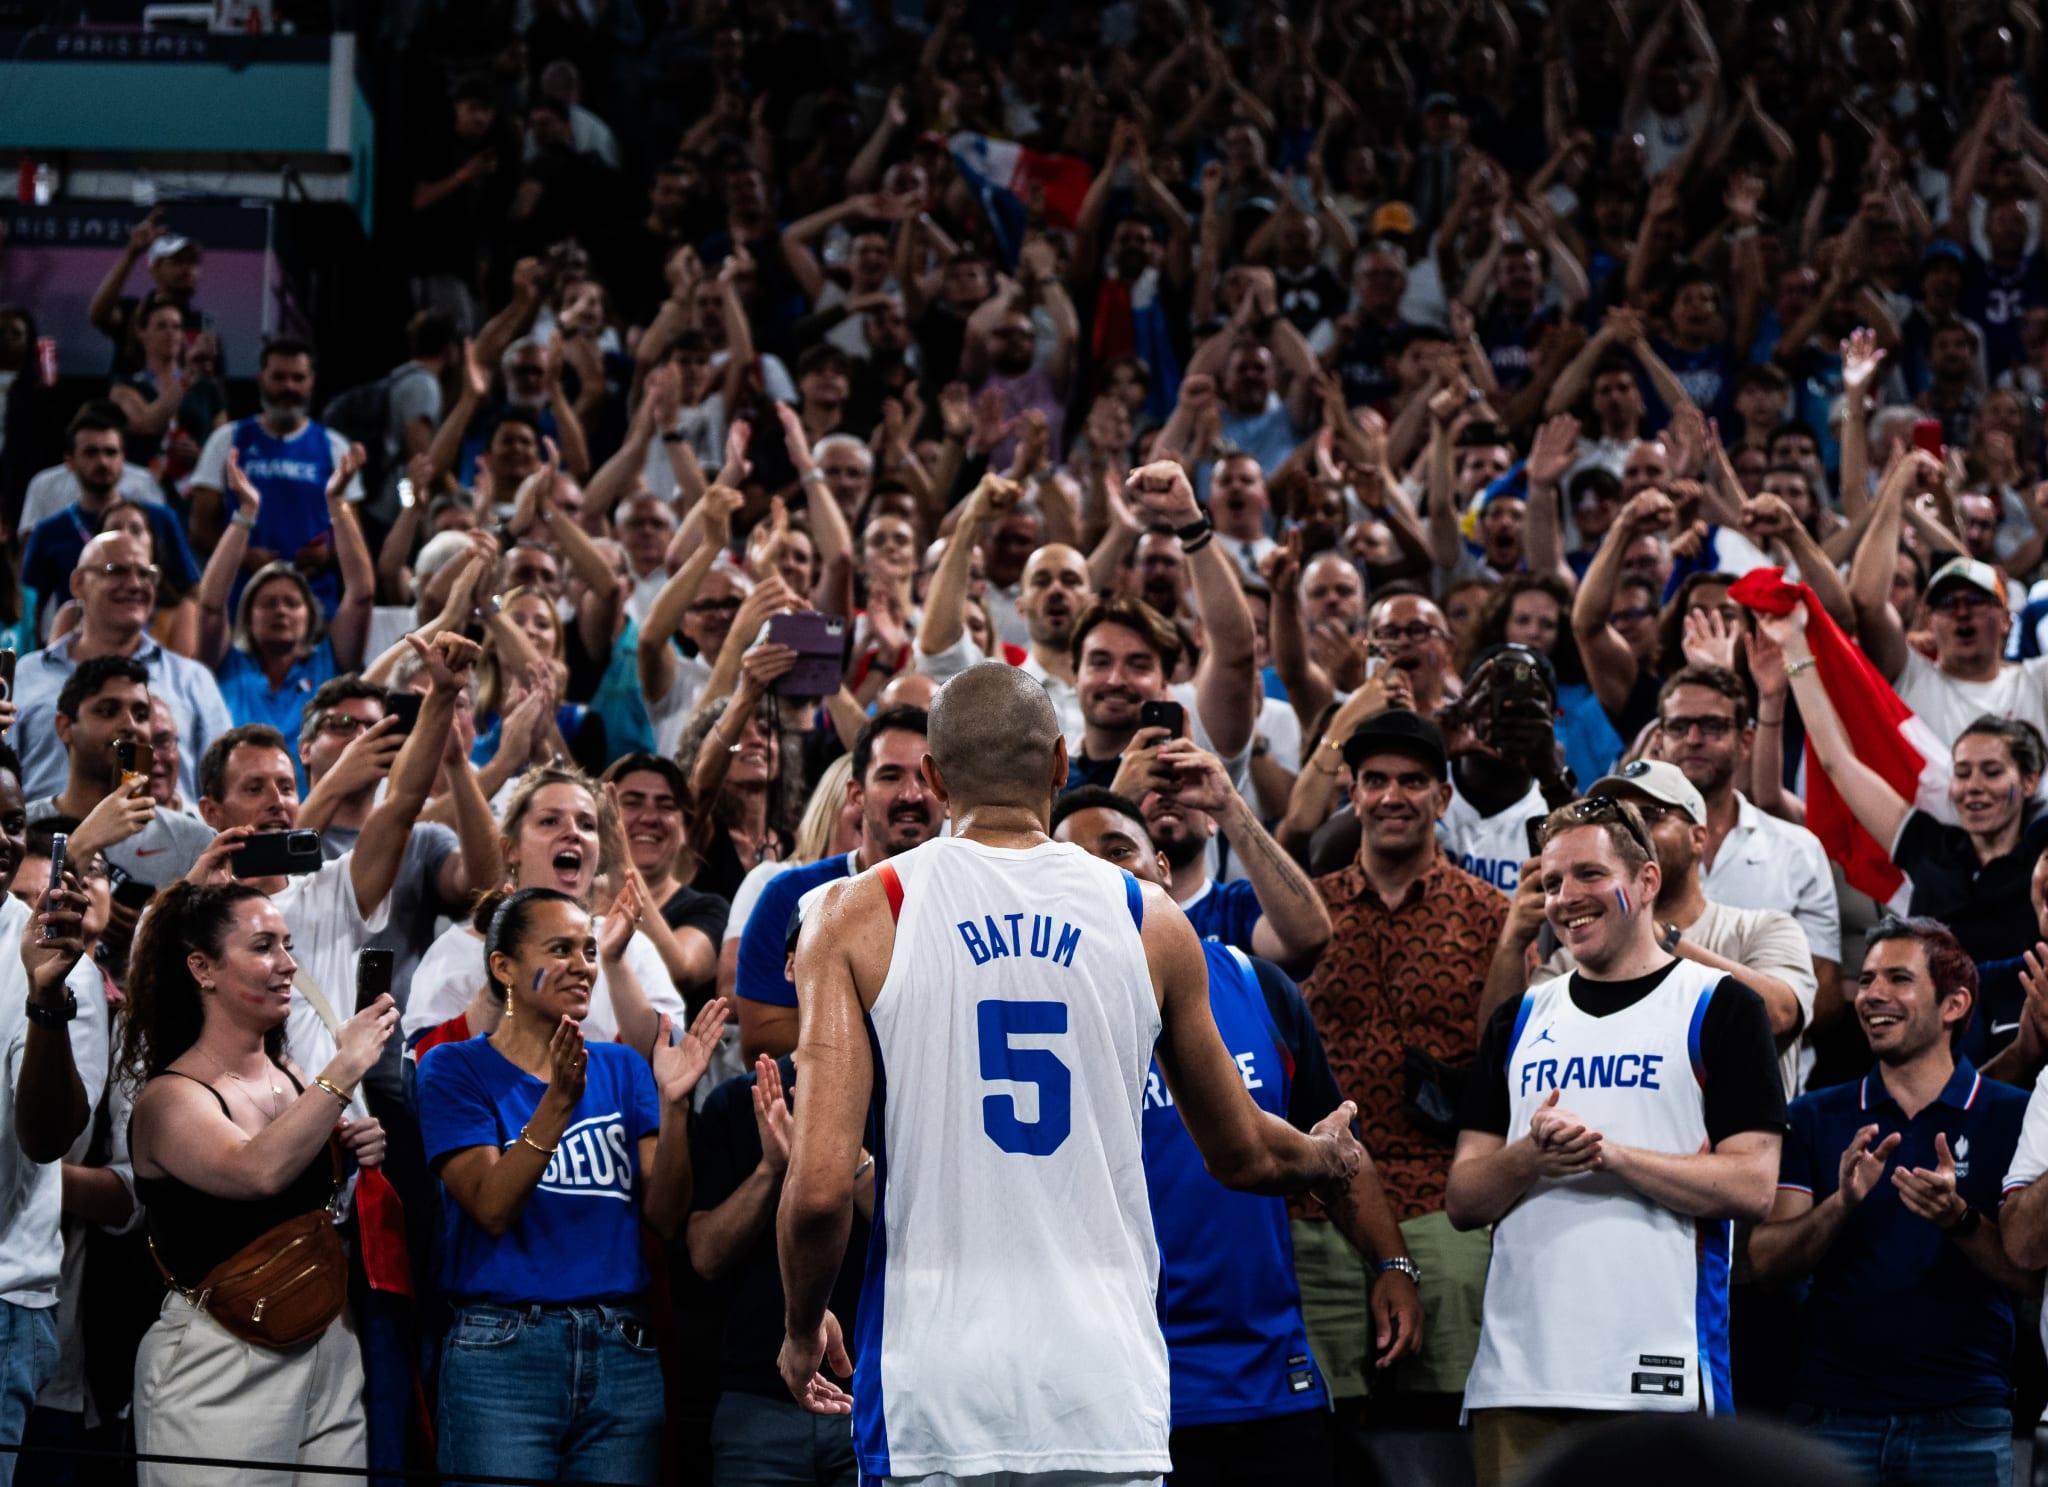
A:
[897,812]
[1247,1407]
[115,586]
[1050,598]
[1185,798]
[1125,652]
[1906,1336]
[1761,948]
[1671,1133]
[1159,574]
[94,460]
[1399,986]
[289,458]
[1750,859]
[1001,348]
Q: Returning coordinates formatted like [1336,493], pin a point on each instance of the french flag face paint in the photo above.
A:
[1621,901]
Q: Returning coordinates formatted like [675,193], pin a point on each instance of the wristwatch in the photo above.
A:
[1669,937]
[674,436]
[243,520]
[1965,1226]
[1404,1265]
[53,1018]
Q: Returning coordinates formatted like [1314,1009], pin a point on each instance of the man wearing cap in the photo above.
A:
[1967,614]
[174,279]
[1764,949]
[1397,997]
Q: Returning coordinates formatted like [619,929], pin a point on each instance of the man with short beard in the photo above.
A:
[1051,596]
[1411,934]
[897,812]
[1185,798]
[1001,347]
[289,458]
[1911,1198]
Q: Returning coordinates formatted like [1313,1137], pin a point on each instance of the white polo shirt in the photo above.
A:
[1769,863]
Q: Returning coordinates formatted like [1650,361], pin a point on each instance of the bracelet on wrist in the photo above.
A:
[1798,668]
[526,1140]
[334,1089]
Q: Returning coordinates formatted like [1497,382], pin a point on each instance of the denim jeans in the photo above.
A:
[761,1442]
[1967,1446]
[28,1357]
[547,1392]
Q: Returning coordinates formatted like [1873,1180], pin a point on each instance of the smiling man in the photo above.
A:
[1888,1197]
[897,812]
[1630,1110]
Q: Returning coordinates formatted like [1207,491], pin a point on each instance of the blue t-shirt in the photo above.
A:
[578,1237]
[1899,1319]
[1229,1301]
[292,475]
[1225,913]
[251,699]
[764,942]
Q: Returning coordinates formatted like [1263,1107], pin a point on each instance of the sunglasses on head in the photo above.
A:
[1595,810]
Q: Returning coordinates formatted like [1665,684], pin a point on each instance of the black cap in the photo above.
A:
[1399,731]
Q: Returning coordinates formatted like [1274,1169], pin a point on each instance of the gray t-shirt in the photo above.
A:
[159,854]
[415,907]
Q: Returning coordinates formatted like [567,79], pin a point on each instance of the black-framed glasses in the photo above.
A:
[1711,729]
[715,606]
[1415,632]
[340,723]
[1634,615]
[1593,810]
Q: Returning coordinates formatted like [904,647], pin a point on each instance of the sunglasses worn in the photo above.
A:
[1597,809]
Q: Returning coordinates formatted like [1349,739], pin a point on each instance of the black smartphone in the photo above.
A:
[60,845]
[1168,715]
[373,975]
[269,854]
[7,674]
[404,706]
[1534,826]
[819,641]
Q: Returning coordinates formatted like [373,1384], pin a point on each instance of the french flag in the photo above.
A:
[1889,736]
[1007,178]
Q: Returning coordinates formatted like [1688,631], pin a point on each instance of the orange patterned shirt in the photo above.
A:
[1392,976]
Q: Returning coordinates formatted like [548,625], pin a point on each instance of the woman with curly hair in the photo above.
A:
[233,1143]
[1534,609]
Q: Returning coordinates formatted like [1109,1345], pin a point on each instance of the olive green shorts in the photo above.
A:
[1336,1289]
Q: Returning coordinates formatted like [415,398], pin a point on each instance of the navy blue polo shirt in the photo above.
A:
[1899,1319]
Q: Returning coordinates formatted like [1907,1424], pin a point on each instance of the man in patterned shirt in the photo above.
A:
[1397,997]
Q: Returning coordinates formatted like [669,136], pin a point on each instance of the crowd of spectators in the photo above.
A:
[1529,516]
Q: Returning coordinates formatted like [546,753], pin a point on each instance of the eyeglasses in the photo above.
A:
[531,575]
[1632,616]
[715,606]
[123,572]
[1596,809]
[1960,601]
[340,723]
[1415,632]
[1711,729]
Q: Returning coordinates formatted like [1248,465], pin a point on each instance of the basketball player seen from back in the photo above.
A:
[997,996]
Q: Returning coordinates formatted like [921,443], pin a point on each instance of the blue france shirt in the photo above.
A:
[759,976]
[578,1237]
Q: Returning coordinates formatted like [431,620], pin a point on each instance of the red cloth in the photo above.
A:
[380,1219]
[1113,334]
[1872,715]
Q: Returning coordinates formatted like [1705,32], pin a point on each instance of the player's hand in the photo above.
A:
[799,1362]
[1396,1319]
[1343,1153]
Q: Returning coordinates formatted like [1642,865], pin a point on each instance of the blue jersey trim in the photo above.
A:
[1521,1022]
[1693,1050]
[870,1420]
[1713,1241]
[1135,897]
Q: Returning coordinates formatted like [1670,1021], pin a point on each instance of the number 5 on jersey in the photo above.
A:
[997,1023]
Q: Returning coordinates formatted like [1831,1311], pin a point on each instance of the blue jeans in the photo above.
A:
[761,1442]
[1967,1446]
[551,1391]
[28,1357]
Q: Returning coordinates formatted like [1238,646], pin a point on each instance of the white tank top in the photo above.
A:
[1008,1319]
[1598,1298]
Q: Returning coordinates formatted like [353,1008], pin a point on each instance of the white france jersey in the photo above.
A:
[1009,1318]
[1598,1298]
[1490,848]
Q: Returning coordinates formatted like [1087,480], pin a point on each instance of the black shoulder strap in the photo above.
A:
[205,1086]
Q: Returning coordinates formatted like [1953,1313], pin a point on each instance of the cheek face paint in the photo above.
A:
[1621,899]
[538,977]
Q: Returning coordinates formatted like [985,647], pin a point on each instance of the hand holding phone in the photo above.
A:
[373,976]
[1168,715]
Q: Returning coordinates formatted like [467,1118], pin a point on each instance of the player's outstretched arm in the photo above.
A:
[834,1080]
[1242,1146]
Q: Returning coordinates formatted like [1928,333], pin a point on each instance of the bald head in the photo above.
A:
[995,739]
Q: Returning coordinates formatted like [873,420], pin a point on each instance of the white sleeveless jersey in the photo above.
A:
[1598,1298]
[1008,1319]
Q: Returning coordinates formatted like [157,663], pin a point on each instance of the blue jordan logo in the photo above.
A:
[1544,1037]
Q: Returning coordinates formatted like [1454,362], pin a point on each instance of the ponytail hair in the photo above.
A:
[505,932]
[164,1011]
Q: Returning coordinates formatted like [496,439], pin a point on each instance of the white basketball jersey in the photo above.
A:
[1598,1298]
[1008,1319]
